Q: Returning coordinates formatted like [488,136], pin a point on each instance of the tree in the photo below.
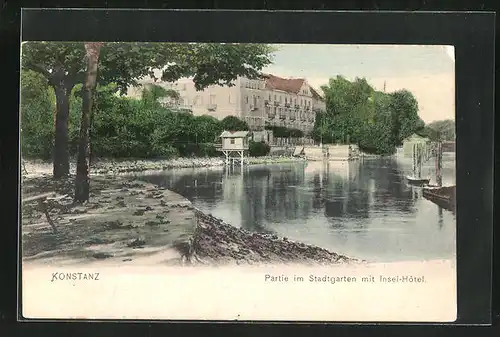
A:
[358,114]
[60,64]
[347,106]
[232,123]
[404,112]
[207,129]
[82,167]
[63,64]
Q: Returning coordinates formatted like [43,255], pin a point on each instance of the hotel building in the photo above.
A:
[270,101]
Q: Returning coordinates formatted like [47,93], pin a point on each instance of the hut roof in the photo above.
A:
[235,134]
[415,137]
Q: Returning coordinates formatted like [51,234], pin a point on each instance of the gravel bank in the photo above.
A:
[108,166]
[219,243]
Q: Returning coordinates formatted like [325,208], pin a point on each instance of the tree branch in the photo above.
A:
[39,68]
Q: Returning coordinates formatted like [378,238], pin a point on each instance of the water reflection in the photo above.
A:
[361,208]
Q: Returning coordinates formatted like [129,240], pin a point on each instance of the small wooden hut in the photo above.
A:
[234,144]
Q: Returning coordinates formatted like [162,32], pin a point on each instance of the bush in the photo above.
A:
[258,149]
[37,116]
[121,128]
[284,132]
[37,137]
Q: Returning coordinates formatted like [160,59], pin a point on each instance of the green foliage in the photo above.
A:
[37,116]
[215,63]
[123,63]
[122,127]
[258,149]
[232,123]
[404,114]
[358,114]
[281,131]
[151,94]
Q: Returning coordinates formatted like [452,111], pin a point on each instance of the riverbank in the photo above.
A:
[114,166]
[132,222]
[123,220]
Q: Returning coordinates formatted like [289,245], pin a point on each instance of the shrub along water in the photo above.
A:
[258,149]
[122,127]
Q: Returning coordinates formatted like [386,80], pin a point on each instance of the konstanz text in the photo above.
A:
[74,276]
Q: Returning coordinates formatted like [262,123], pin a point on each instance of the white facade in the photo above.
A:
[273,101]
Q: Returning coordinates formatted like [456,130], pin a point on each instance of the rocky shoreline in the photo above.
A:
[127,221]
[110,166]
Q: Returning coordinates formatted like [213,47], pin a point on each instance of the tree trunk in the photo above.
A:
[82,182]
[61,156]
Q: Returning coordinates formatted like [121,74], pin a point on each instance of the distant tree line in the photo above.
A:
[443,130]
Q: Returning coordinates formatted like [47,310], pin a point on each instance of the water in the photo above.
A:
[363,209]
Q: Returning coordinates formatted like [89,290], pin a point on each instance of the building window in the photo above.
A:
[213,99]
[269,97]
[275,97]
[232,141]
[246,99]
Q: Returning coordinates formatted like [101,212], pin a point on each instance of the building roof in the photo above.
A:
[234,134]
[291,85]
[315,94]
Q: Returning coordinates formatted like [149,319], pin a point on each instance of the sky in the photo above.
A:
[427,71]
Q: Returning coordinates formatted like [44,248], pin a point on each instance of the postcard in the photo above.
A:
[236,181]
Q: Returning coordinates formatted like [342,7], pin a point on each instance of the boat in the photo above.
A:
[418,181]
[442,196]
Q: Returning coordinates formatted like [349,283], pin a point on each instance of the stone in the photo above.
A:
[116,224]
[101,255]
[152,223]
[137,243]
